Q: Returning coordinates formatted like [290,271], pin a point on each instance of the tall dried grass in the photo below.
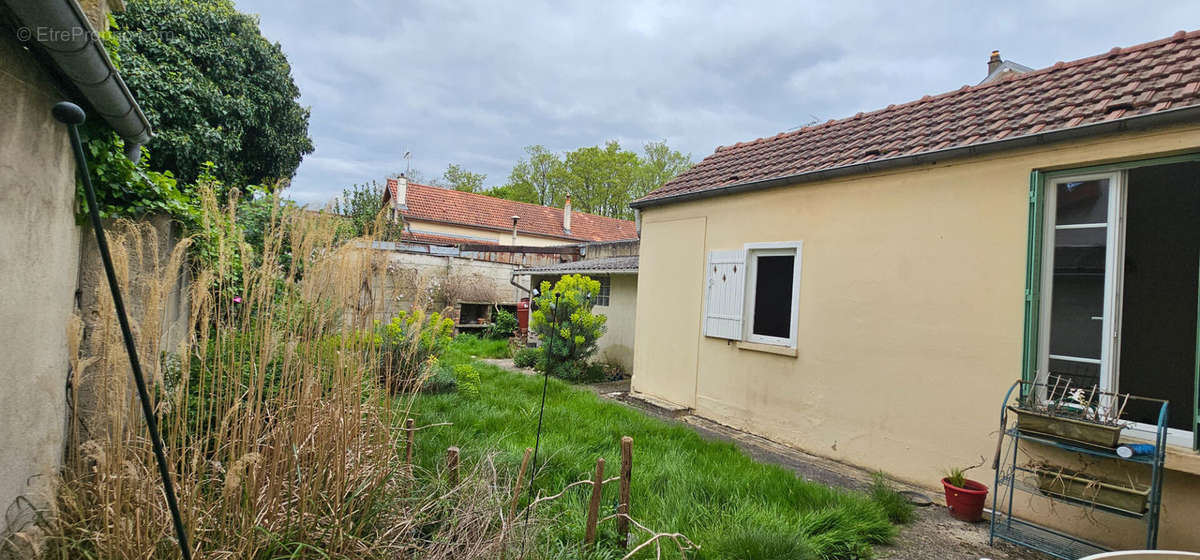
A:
[283,440]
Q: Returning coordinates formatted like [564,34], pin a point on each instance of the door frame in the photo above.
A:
[1035,322]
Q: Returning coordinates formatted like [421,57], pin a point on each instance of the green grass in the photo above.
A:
[471,345]
[709,491]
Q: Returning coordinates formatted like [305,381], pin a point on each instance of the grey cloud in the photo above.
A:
[474,82]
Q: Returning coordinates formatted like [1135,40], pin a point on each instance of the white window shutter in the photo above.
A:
[726,280]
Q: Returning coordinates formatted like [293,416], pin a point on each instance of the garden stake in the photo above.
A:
[71,115]
[408,441]
[452,465]
[593,513]
[512,510]
[541,411]
[623,499]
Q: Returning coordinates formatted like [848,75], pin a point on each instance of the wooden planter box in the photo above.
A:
[1067,429]
[1088,489]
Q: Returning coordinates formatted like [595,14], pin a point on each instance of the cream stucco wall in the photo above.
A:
[616,346]
[39,256]
[910,316]
[482,235]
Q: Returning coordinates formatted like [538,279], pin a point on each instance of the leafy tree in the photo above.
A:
[460,179]
[214,89]
[599,179]
[512,192]
[362,205]
[659,164]
[541,179]
[573,340]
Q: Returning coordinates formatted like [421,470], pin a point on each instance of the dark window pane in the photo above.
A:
[773,296]
[1081,375]
[1082,202]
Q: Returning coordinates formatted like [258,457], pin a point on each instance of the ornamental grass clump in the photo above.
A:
[284,433]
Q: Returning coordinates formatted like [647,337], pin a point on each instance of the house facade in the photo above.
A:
[868,289]
[449,217]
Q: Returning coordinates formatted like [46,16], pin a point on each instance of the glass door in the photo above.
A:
[1080,287]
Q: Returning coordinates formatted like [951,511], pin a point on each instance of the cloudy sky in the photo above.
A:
[472,83]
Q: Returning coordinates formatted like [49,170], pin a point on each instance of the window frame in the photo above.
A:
[605,290]
[752,252]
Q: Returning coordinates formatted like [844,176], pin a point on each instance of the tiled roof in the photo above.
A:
[1120,84]
[471,209]
[605,265]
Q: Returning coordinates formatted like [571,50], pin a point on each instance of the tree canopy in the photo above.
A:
[599,179]
[214,89]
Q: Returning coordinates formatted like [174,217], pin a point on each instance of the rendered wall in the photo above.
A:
[910,318]
[39,255]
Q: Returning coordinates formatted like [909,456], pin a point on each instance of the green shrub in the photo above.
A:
[411,345]
[526,357]
[593,373]
[504,324]
[566,326]
[468,380]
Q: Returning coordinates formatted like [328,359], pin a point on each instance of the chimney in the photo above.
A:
[567,215]
[398,186]
[514,219]
[994,62]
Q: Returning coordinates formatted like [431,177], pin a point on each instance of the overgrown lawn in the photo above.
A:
[710,491]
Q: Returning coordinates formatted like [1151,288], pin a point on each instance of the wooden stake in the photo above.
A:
[512,509]
[408,441]
[623,499]
[452,465]
[593,514]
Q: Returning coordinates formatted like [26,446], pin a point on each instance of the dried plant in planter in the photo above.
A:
[1080,486]
[1087,416]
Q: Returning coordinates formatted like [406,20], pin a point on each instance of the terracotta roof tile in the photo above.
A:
[1152,77]
[471,209]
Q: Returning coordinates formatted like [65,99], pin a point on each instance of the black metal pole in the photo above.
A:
[71,115]
[537,441]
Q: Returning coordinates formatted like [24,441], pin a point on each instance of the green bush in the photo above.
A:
[566,326]
[467,379]
[410,345]
[527,357]
[504,324]
[442,381]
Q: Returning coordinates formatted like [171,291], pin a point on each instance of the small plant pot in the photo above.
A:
[1071,430]
[966,503]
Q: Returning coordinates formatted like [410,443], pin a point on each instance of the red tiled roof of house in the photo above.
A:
[1122,83]
[436,204]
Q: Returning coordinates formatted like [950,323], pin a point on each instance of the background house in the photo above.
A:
[460,252]
[615,266]
[446,216]
[868,288]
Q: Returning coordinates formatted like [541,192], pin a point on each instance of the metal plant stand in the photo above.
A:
[1012,477]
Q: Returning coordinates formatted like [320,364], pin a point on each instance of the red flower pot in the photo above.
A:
[966,503]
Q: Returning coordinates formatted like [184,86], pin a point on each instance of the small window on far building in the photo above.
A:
[602,298]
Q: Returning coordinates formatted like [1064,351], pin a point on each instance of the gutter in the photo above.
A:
[61,29]
[1140,122]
